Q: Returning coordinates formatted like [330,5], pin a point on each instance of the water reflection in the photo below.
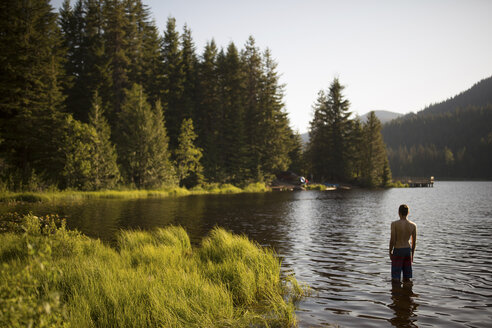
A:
[403,304]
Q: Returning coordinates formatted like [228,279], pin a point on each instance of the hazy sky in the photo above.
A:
[391,55]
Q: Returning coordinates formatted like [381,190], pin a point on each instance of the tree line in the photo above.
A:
[94,96]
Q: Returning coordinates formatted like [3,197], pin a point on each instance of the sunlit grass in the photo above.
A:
[54,277]
[7,196]
[320,187]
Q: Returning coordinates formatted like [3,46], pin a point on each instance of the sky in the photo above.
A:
[399,56]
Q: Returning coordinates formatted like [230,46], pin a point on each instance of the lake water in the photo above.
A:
[337,242]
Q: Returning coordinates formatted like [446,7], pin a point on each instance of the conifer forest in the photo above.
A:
[95,96]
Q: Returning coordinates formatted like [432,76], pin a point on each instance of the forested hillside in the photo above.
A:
[96,96]
[479,95]
[452,139]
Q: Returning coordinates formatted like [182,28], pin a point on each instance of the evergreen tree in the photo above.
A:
[375,169]
[189,62]
[188,167]
[104,173]
[208,114]
[143,48]
[296,155]
[173,81]
[274,136]
[232,131]
[253,73]
[86,65]
[77,149]
[142,142]
[30,68]
[356,150]
[329,132]
[116,45]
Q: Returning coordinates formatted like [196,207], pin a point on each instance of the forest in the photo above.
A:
[448,140]
[95,97]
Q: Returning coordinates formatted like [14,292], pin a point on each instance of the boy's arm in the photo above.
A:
[392,240]
[414,240]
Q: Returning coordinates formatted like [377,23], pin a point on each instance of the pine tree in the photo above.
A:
[86,65]
[208,114]
[296,155]
[142,142]
[253,72]
[319,146]
[173,81]
[116,46]
[77,149]
[188,166]
[105,172]
[274,136]
[329,133]
[232,130]
[143,48]
[375,170]
[30,68]
[356,150]
[190,63]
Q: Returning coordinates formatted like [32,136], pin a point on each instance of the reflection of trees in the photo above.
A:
[404,305]
[95,218]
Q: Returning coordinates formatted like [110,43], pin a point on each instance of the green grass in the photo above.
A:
[32,197]
[397,184]
[320,187]
[51,277]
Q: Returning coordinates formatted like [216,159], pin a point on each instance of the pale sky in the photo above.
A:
[390,54]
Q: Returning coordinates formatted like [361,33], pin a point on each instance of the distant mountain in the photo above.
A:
[451,139]
[383,115]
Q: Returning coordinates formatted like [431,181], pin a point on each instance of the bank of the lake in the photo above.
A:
[51,276]
[211,189]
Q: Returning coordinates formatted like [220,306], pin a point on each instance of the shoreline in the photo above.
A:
[50,196]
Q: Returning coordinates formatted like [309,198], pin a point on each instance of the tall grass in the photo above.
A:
[51,277]
[314,186]
[75,195]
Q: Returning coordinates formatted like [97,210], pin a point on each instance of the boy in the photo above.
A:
[400,249]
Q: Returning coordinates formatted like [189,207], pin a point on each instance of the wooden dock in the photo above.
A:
[418,182]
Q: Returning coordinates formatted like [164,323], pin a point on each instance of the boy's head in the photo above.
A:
[403,210]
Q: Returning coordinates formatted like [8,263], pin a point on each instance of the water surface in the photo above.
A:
[337,242]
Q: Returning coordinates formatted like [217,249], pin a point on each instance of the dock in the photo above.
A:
[417,182]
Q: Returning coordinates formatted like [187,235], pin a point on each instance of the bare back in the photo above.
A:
[401,231]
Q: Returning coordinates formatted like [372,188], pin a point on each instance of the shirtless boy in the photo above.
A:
[400,249]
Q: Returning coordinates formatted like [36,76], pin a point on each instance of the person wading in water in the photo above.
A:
[400,249]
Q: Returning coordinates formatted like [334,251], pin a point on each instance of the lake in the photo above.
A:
[337,242]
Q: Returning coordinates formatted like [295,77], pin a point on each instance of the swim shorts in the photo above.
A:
[401,261]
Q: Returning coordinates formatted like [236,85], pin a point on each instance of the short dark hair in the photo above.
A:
[403,210]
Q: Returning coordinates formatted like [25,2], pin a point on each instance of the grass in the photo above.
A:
[320,187]
[48,196]
[397,184]
[52,277]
